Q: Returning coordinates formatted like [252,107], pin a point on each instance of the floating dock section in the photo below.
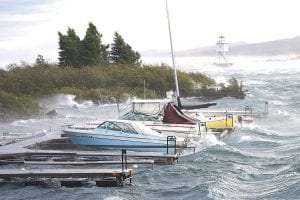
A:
[31,175]
[50,157]
[119,175]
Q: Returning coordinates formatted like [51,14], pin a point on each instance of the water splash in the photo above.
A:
[254,82]
[114,198]
[65,100]
[212,140]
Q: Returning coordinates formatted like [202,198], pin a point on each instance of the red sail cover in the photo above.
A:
[173,115]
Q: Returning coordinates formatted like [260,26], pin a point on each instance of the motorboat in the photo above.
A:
[117,134]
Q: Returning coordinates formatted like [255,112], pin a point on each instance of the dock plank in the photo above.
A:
[101,162]
[97,153]
[65,173]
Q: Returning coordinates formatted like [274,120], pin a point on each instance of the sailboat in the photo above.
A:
[177,94]
[219,123]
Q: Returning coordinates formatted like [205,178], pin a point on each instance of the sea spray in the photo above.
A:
[212,140]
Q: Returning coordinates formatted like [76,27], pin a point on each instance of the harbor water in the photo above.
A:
[261,160]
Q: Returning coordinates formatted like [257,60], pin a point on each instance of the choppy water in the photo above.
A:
[260,161]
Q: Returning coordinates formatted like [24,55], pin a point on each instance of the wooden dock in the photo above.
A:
[65,173]
[101,162]
[117,176]
[49,156]
[140,157]
[52,145]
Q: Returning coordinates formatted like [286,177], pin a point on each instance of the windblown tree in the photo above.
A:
[92,51]
[69,49]
[122,53]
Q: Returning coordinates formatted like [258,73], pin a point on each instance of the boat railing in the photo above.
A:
[229,118]
[248,109]
[171,139]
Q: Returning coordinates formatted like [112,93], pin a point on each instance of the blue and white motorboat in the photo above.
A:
[162,116]
[118,134]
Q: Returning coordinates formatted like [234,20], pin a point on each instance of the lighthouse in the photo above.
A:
[222,50]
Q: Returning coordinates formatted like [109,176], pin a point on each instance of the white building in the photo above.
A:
[222,50]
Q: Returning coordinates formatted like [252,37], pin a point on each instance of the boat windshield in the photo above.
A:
[118,126]
[139,117]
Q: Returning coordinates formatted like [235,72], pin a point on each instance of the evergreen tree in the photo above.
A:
[92,51]
[122,53]
[69,49]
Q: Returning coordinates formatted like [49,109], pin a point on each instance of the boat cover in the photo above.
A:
[173,115]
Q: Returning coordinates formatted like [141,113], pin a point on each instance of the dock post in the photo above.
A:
[266,108]
[175,148]
[205,127]
[228,116]
[119,180]
[124,159]
[168,144]
[169,139]
[202,124]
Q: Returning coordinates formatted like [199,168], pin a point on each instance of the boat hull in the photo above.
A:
[120,142]
[221,123]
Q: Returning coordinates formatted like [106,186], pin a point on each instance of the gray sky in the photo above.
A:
[29,27]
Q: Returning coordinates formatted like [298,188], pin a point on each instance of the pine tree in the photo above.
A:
[122,53]
[69,49]
[92,51]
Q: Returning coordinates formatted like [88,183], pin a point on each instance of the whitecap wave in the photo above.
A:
[23,122]
[65,100]
[18,122]
[114,198]
[254,82]
[247,138]
[212,140]
[221,80]
[279,113]
[85,104]
[255,129]
[277,102]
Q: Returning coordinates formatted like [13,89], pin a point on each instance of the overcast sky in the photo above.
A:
[29,27]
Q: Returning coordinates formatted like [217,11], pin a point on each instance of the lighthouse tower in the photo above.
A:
[222,50]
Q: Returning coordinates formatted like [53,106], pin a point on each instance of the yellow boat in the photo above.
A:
[216,123]
[221,122]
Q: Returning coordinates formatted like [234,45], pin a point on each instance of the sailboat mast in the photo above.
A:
[172,51]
